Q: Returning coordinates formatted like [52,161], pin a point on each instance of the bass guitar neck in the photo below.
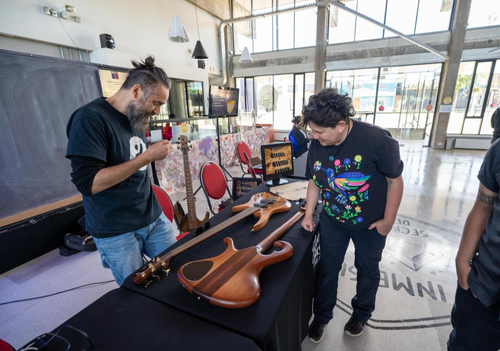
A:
[189,221]
[265,203]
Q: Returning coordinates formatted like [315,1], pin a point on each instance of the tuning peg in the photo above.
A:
[156,276]
[166,271]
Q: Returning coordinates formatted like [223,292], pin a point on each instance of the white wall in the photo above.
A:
[139,28]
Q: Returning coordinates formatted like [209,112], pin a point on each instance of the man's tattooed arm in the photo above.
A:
[486,199]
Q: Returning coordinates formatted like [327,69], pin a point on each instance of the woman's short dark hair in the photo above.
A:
[327,108]
[147,75]
[296,119]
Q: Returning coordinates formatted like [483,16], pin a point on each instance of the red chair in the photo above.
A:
[167,207]
[213,183]
[241,149]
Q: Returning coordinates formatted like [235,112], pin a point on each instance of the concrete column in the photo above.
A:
[320,52]
[450,73]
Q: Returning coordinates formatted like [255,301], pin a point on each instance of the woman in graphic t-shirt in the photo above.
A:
[356,169]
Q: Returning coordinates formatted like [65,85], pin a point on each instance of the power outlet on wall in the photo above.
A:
[68,13]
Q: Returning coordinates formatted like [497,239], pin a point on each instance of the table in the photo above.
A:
[279,319]
[123,320]
[165,316]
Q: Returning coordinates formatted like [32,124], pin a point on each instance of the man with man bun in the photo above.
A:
[109,160]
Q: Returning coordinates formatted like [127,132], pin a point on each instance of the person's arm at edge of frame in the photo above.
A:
[110,176]
[473,230]
[311,202]
[394,195]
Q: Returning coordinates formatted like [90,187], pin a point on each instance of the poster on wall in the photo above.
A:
[111,81]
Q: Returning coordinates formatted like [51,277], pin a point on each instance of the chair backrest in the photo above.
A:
[165,202]
[213,181]
[251,170]
[241,148]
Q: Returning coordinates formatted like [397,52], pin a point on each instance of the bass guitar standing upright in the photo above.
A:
[188,221]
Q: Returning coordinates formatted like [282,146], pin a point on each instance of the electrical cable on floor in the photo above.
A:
[56,293]
[40,344]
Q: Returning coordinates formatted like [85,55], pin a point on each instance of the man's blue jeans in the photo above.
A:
[475,327]
[123,253]
[369,245]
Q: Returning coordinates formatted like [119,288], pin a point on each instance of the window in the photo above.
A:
[475,101]
[284,26]
[376,10]
[242,30]
[263,34]
[305,27]
[401,15]
[408,16]
[433,16]
[277,98]
[400,99]
[484,13]
[283,112]
[266,99]
[196,107]
[281,32]
[342,24]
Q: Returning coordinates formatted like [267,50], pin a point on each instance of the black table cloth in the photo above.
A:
[279,318]
[122,320]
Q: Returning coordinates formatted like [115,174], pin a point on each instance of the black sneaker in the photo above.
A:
[316,330]
[354,327]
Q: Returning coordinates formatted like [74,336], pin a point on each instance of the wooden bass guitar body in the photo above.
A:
[231,279]
[183,219]
[280,205]
[266,203]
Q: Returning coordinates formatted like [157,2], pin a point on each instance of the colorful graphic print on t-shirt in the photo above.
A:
[346,191]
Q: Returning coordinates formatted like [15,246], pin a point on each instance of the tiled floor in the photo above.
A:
[418,274]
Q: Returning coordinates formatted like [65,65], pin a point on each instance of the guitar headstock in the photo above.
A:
[184,143]
[151,270]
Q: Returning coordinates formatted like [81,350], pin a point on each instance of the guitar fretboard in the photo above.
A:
[192,219]
[212,231]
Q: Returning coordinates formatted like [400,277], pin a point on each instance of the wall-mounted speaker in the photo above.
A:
[107,41]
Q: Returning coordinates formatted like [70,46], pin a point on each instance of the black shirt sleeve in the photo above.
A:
[490,168]
[83,172]
[388,161]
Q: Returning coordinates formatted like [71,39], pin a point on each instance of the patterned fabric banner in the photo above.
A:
[170,171]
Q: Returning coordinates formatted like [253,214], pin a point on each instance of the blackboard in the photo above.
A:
[37,97]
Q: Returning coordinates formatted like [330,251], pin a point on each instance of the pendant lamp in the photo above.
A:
[199,52]
[177,32]
[245,55]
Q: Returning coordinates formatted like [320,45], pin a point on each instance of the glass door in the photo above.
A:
[476,97]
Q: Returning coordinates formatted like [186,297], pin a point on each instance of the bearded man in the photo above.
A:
[109,160]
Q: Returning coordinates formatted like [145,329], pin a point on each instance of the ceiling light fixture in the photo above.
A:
[177,31]
[199,52]
[245,55]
